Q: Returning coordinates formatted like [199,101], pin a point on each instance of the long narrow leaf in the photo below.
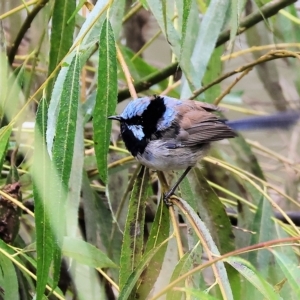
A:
[290,270]
[253,277]
[61,35]
[185,16]
[133,278]
[133,239]
[4,140]
[63,149]
[41,174]
[212,212]
[210,29]
[75,178]
[220,271]
[106,99]
[8,279]
[160,231]
[86,254]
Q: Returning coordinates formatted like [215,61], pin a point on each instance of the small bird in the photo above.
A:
[165,133]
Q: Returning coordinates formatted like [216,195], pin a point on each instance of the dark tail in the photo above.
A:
[281,120]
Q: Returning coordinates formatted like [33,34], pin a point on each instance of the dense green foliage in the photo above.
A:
[79,218]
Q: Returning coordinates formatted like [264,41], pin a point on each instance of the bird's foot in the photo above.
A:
[166,198]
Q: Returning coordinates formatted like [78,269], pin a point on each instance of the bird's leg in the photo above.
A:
[172,190]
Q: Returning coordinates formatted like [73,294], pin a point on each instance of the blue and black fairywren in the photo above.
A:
[164,133]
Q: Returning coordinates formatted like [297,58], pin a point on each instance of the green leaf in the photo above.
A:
[116,13]
[75,181]
[236,10]
[211,26]
[245,157]
[5,133]
[106,99]
[166,24]
[63,149]
[212,212]
[41,174]
[214,70]
[133,238]
[197,294]
[86,253]
[61,35]
[160,230]
[20,257]
[88,107]
[268,74]
[249,272]
[134,276]
[290,270]
[88,36]
[98,221]
[185,17]
[263,226]
[204,231]
[8,279]
[184,265]
[14,93]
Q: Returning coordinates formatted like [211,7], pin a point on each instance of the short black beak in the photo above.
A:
[117,118]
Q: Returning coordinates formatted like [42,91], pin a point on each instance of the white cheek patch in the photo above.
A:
[137,130]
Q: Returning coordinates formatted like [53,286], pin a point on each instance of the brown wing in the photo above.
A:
[198,126]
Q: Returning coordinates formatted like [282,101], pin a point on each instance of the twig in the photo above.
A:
[253,49]
[17,9]
[131,12]
[268,10]
[267,57]
[26,25]
[126,73]
[228,89]
[176,231]
[256,247]
[264,12]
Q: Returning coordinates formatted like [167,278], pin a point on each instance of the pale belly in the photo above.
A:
[159,157]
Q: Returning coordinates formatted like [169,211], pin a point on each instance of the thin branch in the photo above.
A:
[126,73]
[26,25]
[268,10]
[229,88]
[267,57]
[260,246]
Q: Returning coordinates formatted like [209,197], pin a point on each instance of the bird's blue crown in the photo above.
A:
[145,117]
[159,110]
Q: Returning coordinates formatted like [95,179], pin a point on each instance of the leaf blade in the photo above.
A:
[63,149]
[44,234]
[61,35]
[106,98]
[132,245]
